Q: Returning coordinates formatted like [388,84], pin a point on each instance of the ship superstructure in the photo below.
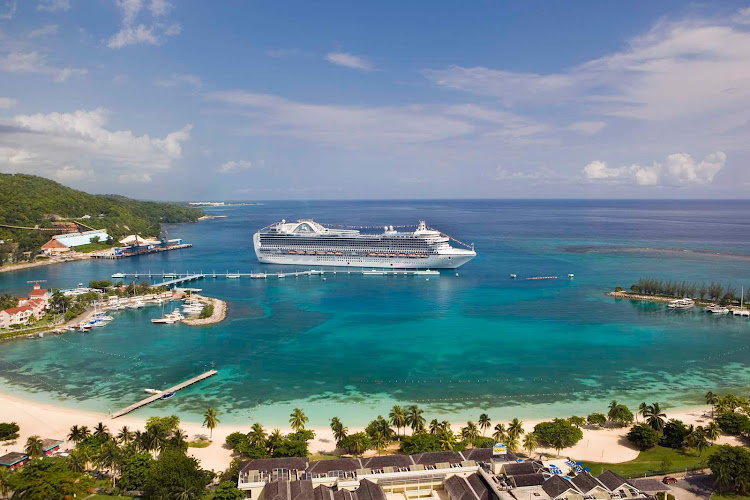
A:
[308,243]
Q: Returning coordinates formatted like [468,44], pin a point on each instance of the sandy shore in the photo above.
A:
[48,421]
[220,312]
[39,263]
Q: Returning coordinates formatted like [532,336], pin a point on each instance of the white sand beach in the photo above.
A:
[48,421]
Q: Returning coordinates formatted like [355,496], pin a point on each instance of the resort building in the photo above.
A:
[50,446]
[35,306]
[14,460]
[474,474]
[64,242]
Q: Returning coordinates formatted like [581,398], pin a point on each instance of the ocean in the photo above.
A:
[352,346]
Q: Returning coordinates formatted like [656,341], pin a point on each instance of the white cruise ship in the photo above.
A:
[308,243]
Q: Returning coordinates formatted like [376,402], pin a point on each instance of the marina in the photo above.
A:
[160,395]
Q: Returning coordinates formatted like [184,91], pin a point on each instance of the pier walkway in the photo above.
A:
[176,278]
[157,396]
[177,281]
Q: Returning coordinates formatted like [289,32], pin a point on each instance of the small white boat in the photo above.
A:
[258,276]
[427,272]
[152,391]
[512,276]
[716,309]
[233,276]
[743,313]
[118,276]
[681,304]
[281,275]
[165,320]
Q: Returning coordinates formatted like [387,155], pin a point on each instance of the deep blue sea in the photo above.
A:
[353,346]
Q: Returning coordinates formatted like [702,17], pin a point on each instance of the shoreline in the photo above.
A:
[218,315]
[51,421]
[40,263]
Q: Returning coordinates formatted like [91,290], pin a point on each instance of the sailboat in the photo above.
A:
[742,312]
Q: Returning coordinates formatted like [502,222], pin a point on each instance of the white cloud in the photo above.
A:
[675,70]
[349,61]
[8,9]
[35,62]
[180,79]
[134,178]
[680,169]
[47,30]
[232,166]
[344,125]
[7,102]
[71,173]
[501,174]
[53,5]
[131,33]
[159,7]
[587,128]
[60,144]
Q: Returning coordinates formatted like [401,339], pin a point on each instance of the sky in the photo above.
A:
[258,100]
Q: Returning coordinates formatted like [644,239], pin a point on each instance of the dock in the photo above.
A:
[174,278]
[157,396]
[177,281]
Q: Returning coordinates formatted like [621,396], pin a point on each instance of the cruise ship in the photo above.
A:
[308,243]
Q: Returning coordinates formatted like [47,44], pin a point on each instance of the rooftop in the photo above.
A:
[12,458]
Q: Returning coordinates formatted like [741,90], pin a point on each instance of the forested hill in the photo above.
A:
[29,200]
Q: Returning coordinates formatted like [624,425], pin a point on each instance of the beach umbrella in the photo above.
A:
[579,463]
[587,469]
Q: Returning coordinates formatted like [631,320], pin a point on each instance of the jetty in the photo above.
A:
[158,395]
[177,281]
[175,278]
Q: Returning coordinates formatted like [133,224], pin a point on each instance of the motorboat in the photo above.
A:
[167,395]
[681,304]
[716,309]
[118,276]
[164,321]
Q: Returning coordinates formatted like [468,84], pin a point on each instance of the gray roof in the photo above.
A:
[467,488]
[50,443]
[387,461]
[269,464]
[369,491]
[557,485]
[650,485]
[437,457]
[522,480]
[344,495]
[480,454]
[323,492]
[520,468]
[611,480]
[324,466]
[301,490]
[586,482]
[477,484]
[12,458]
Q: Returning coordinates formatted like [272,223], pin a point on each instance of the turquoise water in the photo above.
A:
[353,345]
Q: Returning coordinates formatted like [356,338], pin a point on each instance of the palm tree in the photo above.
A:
[257,435]
[138,440]
[435,426]
[655,417]
[85,432]
[445,425]
[447,440]
[4,484]
[414,419]
[711,399]
[484,422]
[499,434]
[298,419]
[698,440]
[34,447]
[125,436]
[397,417]
[101,430]
[380,442]
[179,440]
[515,429]
[339,431]
[109,457]
[77,460]
[273,440]
[642,410]
[210,419]
[713,432]
[75,434]
[470,433]
[153,441]
[613,410]
[530,443]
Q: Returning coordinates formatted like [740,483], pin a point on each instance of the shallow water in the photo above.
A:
[355,345]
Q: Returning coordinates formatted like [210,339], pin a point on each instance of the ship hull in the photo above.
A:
[431,262]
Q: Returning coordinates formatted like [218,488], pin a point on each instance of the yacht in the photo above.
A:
[681,304]
[716,309]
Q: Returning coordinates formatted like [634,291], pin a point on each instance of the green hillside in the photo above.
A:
[29,200]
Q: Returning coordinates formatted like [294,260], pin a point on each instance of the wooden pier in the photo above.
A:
[156,397]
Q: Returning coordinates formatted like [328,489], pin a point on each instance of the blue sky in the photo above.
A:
[307,100]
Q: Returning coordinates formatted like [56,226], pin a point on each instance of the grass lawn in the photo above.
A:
[728,496]
[93,247]
[649,462]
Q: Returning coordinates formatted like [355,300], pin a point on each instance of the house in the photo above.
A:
[72,240]
[615,483]
[14,460]
[54,246]
[559,487]
[650,486]
[470,487]
[4,320]
[50,446]
[39,293]
[590,486]
[19,315]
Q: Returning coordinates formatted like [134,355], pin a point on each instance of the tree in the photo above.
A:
[357,443]
[446,439]
[339,431]
[380,442]
[697,439]
[499,435]
[211,419]
[642,409]
[515,429]
[558,434]
[414,419]
[295,444]
[420,443]
[711,400]
[530,443]
[4,481]
[109,457]
[273,440]
[470,432]
[101,430]
[9,431]
[730,466]
[397,417]
[379,426]
[643,436]
[484,422]
[257,435]
[34,447]
[619,414]
[227,490]
[655,417]
[125,436]
[577,421]
[298,419]
[734,423]
[598,419]
[674,434]
[176,475]
[134,470]
[48,479]
[179,441]
[713,432]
